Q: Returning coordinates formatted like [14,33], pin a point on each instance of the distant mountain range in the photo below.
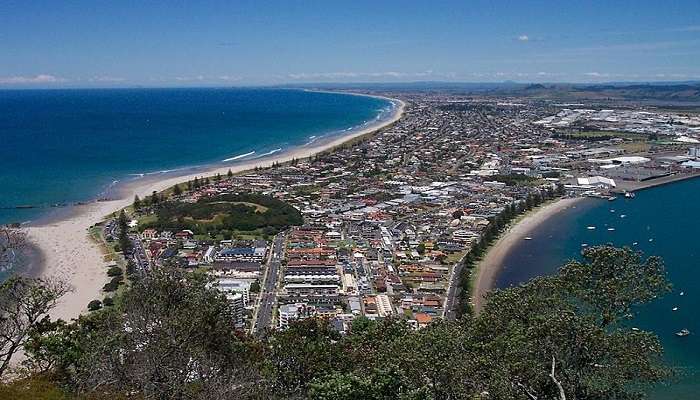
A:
[665,92]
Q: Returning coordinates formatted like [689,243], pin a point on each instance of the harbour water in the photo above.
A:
[64,146]
[659,221]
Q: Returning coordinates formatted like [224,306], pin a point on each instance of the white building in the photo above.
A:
[232,287]
[597,181]
[384,306]
[289,313]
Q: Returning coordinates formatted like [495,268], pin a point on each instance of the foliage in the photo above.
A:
[213,215]
[123,226]
[562,336]
[169,337]
[23,302]
[114,271]
[512,179]
[94,305]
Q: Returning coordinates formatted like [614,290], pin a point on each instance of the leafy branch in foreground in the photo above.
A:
[558,337]
[23,302]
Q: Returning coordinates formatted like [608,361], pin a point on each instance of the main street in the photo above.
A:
[268,290]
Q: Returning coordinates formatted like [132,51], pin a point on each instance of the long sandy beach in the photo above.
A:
[490,266]
[67,252]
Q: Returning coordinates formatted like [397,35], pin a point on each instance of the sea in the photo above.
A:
[62,147]
[662,221]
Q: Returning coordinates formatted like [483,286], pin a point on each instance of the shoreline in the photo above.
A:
[491,264]
[629,186]
[80,261]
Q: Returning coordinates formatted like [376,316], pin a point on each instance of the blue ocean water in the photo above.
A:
[662,221]
[65,146]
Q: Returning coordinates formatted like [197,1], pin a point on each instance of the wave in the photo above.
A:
[239,156]
[269,153]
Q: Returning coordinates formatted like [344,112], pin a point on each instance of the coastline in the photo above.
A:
[491,264]
[627,186]
[66,251]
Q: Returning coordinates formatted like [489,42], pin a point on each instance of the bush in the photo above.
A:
[113,284]
[114,271]
[94,305]
[108,302]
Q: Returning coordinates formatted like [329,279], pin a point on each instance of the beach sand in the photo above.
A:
[68,253]
[490,266]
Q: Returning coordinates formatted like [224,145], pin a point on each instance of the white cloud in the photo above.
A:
[189,78]
[523,38]
[597,74]
[38,79]
[106,79]
[229,78]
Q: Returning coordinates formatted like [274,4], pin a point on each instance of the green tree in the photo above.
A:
[23,303]
[137,202]
[94,305]
[123,225]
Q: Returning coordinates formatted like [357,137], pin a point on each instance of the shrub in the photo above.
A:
[108,302]
[94,305]
[114,271]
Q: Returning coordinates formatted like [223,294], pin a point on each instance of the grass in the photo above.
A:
[453,258]
[612,134]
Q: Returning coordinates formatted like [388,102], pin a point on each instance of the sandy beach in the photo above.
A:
[67,252]
[491,264]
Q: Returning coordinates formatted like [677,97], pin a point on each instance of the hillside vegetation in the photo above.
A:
[169,337]
[230,212]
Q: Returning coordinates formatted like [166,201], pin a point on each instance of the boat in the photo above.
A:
[612,211]
[635,243]
[682,293]
[590,228]
[629,195]
[611,229]
[623,215]
[674,309]
[651,240]
[612,198]
[584,244]
[683,332]
[528,238]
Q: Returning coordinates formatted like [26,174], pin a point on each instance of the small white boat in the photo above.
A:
[682,293]
[674,309]
[528,238]
[635,243]
[623,215]
[629,195]
[635,329]
[682,333]
[651,240]
[611,229]
[612,211]
[584,244]
[590,228]
[612,198]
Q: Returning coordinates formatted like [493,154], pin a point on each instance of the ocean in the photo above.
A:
[661,221]
[59,147]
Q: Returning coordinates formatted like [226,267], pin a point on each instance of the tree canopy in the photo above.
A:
[565,336]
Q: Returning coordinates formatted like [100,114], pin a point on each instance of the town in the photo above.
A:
[380,226]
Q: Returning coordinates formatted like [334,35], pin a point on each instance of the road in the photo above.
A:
[268,290]
[451,300]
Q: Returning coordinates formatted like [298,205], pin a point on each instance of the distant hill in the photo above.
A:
[660,92]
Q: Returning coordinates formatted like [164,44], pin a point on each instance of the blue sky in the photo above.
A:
[127,43]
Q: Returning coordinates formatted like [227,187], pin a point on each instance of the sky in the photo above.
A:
[240,43]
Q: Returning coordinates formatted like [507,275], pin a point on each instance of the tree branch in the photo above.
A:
[562,394]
